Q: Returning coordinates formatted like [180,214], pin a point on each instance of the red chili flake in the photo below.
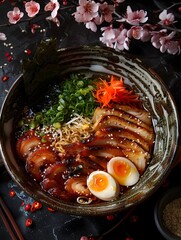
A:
[35,206]
[28,222]
[4,78]
[51,209]
[179,9]
[12,193]
[28,51]
[9,57]
[28,207]
[23,203]
[2,1]
[110,217]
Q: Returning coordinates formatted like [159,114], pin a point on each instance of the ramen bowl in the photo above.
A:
[97,60]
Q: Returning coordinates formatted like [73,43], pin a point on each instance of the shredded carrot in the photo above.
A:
[114,91]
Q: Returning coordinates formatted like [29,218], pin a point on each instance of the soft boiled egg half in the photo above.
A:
[102,185]
[123,170]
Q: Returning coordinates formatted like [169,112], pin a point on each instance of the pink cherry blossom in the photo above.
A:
[121,39]
[134,17]
[169,45]
[32,8]
[86,11]
[2,36]
[15,15]
[165,42]
[136,32]
[92,25]
[107,11]
[141,33]
[156,35]
[52,6]
[117,2]
[166,18]
[108,36]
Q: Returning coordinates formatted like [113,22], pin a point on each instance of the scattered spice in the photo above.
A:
[12,193]
[51,209]
[28,222]
[27,207]
[28,51]
[4,78]
[172,216]
[35,206]
[110,217]
[8,56]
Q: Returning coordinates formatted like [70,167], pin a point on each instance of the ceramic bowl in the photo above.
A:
[157,99]
[167,212]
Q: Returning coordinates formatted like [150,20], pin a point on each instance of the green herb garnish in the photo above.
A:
[74,96]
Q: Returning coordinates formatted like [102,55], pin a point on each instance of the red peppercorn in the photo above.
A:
[35,206]
[12,193]
[28,51]
[51,209]
[110,217]
[4,78]
[27,207]
[28,222]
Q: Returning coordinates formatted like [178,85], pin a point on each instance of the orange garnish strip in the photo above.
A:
[114,91]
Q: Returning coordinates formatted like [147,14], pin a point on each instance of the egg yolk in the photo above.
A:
[98,182]
[121,168]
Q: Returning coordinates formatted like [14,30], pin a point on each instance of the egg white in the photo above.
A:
[128,179]
[110,192]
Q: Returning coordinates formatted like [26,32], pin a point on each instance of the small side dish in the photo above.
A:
[168,214]
[89,141]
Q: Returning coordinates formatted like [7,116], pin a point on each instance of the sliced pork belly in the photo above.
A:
[27,143]
[102,151]
[130,149]
[118,122]
[100,112]
[140,113]
[39,160]
[124,133]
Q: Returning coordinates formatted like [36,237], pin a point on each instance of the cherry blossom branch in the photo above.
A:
[37,16]
[173,5]
[118,31]
[170,28]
